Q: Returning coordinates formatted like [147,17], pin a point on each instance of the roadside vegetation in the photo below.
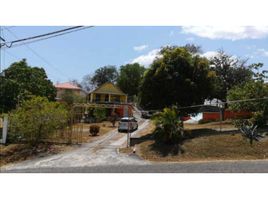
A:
[35,120]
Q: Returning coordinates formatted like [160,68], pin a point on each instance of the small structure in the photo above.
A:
[63,87]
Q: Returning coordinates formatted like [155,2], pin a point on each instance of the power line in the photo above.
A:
[36,54]
[11,55]
[45,36]
[246,100]
[227,102]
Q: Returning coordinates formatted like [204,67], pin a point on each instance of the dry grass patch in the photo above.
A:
[210,125]
[105,127]
[203,143]
[18,152]
[214,147]
[126,150]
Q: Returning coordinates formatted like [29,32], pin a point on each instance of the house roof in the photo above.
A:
[108,88]
[67,85]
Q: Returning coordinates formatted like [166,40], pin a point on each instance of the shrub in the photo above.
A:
[168,127]
[99,114]
[94,130]
[36,119]
[249,90]
[113,118]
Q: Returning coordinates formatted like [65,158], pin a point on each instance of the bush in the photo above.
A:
[37,119]
[99,114]
[113,118]
[94,130]
[249,90]
[168,127]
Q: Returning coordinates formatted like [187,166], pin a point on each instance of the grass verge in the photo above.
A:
[204,144]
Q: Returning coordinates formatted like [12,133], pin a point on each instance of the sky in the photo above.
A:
[74,55]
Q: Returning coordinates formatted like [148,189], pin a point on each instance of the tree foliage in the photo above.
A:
[192,48]
[99,114]
[130,78]
[70,97]
[256,90]
[104,74]
[176,77]
[230,71]
[36,119]
[168,127]
[86,83]
[20,82]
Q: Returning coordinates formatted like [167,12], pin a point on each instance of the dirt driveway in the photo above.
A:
[103,151]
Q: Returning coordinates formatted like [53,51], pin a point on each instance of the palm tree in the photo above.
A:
[168,127]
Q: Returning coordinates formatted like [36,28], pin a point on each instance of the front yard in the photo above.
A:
[205,143]
[11,153]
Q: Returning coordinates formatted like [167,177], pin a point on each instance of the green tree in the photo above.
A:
[130,78]
[69,97]
[168,127]
[251,90]
[20,82]
[176,77]
[36,119]
[230,71]
[104,74]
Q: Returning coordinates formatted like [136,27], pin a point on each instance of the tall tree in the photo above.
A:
[230,71]
[86,83]
[22,81]
[254,89]
[192,48]
[104,74]
[130,78]
[176,77]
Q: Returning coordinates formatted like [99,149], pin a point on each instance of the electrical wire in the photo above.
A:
[227,102]
[44,36]
[37,54]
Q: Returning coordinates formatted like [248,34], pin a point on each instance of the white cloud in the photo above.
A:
[140,48]
[148,58]
[209,54]
[230,33]
[262,52]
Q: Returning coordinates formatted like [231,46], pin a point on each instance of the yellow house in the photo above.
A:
[107,93]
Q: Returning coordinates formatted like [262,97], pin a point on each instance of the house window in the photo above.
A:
[97,98]
[117,99]
[106,98]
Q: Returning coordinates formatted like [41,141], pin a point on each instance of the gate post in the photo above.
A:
[4,130]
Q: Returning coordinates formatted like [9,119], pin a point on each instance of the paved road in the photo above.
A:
[197,167]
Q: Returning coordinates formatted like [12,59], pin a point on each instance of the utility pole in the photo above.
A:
[1,39]
[2,43]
